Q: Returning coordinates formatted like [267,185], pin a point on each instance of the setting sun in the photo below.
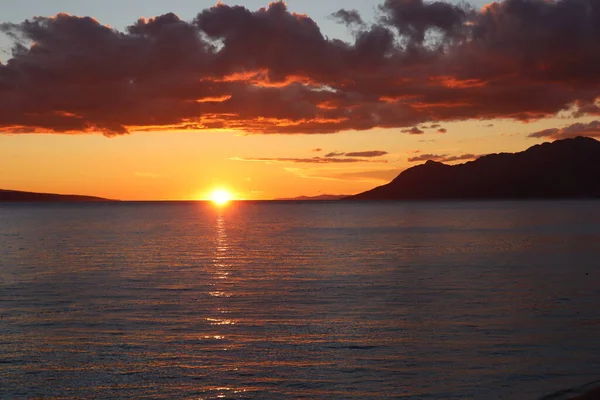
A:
[220,197]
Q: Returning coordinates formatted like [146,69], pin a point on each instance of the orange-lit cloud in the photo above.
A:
[590,129]
[365,154]
[273,71]
[310,160]
[443,157]
[415,130]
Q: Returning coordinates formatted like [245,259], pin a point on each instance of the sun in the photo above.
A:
[220,197]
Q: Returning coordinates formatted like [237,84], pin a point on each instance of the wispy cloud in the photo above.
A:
[414,131]
[310,160]
[590,129]
[373,153]
[384,175]
[334,154]
[364,154]
[443,157]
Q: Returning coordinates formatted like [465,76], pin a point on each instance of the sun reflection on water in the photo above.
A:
[221,256]
[221,270]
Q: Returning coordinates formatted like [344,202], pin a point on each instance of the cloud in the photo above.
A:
[443,157]
[364,154]
[271,71]
[312,160]
[373,153]
[348,17]
[317,150]
[427,157]
[413,131]
[591,129]
[384,175]
[463,157]
[335,154]
[414,18]
[442,130]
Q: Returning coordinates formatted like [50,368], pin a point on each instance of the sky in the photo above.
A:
[157,100]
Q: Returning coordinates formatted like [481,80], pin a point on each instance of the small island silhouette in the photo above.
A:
[568,168]
[19,196]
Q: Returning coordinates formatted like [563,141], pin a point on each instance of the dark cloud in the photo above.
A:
[273,71]
[544,133]
[442,130]
[590,129]
[582,109]
[413,131]
[463,157]
[317,150]
[427,157]
[367,154]
[348,17]
[442,157]
[435,126]
[414,18]
[312,160]
[334,154]
[364,154]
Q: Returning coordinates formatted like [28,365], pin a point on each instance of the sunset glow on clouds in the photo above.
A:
[273,71]
[417,69]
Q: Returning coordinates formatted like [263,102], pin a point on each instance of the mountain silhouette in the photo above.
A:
[568,168]
[18,196]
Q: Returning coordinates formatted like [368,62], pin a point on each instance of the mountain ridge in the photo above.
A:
[567,168]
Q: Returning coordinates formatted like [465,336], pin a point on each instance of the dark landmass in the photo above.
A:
[591,395]
[568,168]
[18,196]
[316,198]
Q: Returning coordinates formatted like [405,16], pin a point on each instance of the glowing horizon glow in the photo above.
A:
[220,197]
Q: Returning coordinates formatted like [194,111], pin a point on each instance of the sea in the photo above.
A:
[293,300]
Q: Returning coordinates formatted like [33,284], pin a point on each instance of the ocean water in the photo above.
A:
[411,300]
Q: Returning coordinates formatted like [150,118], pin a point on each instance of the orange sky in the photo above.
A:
[188,165]
[149,109]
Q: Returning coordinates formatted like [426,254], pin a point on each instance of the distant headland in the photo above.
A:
[568,168]
[18,196]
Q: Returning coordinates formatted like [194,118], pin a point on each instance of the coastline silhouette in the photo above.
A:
[565,168]
[21,196]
